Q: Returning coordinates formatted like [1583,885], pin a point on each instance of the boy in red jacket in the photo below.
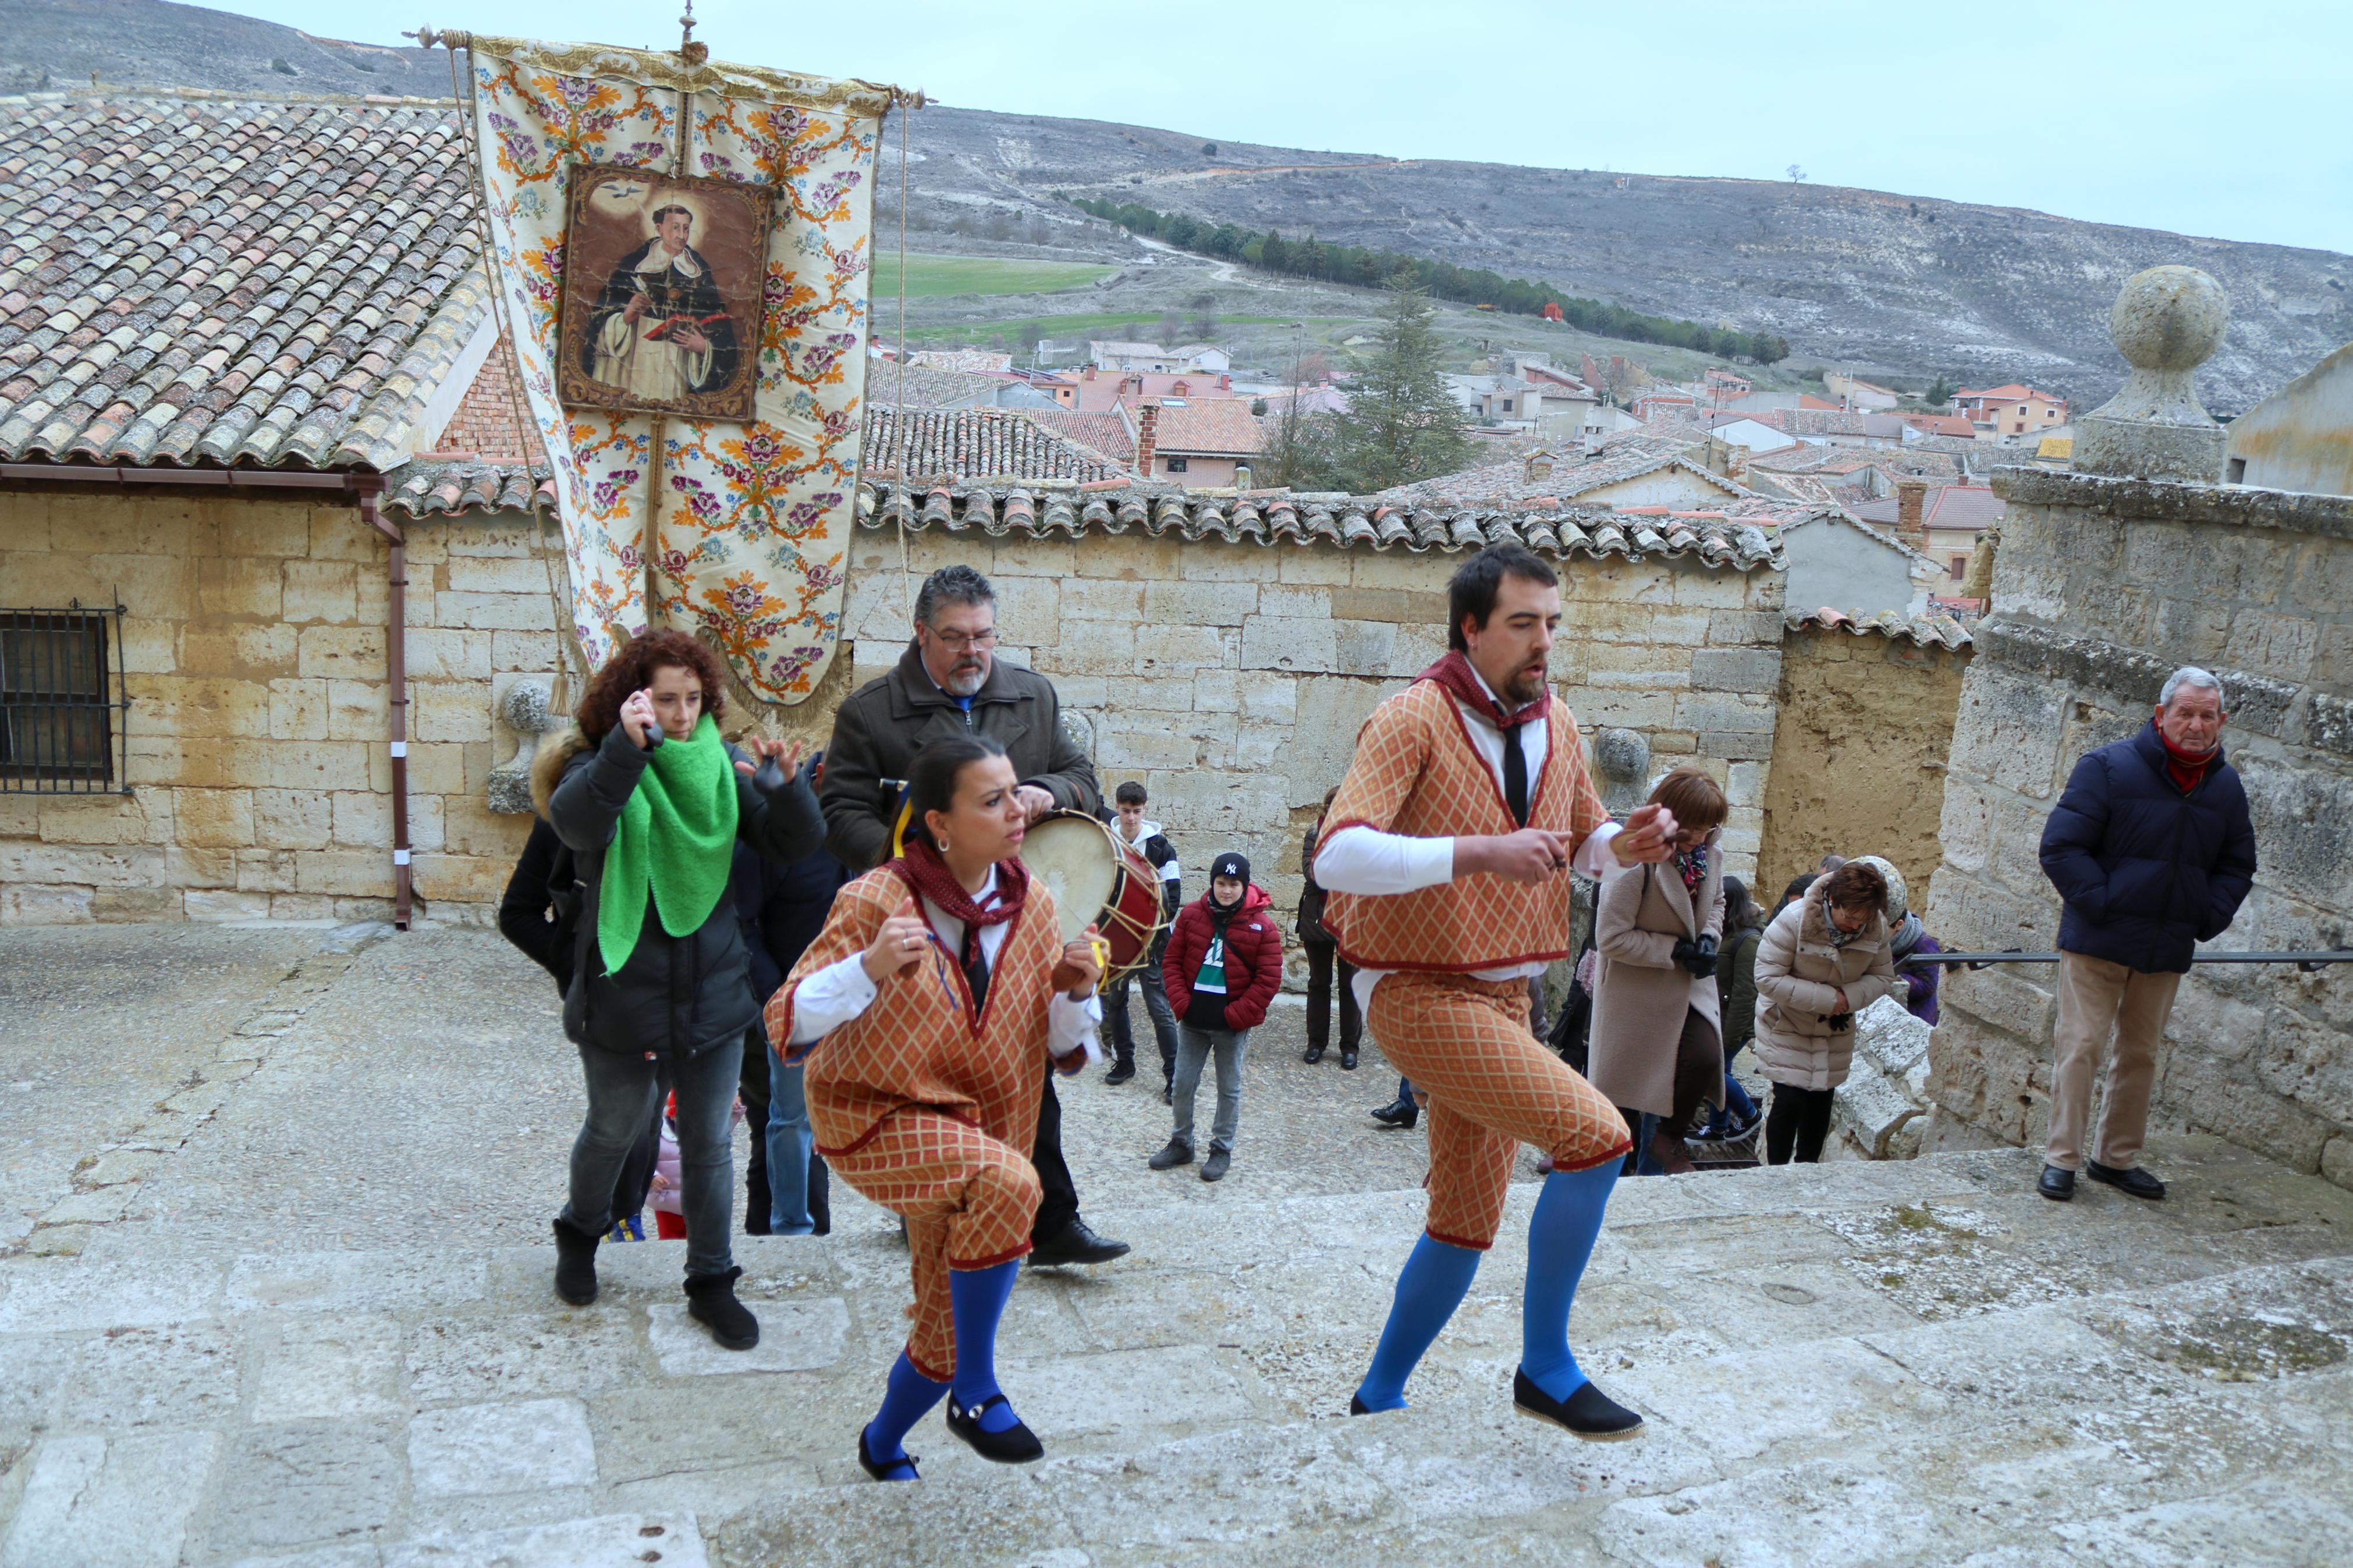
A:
[1223,963]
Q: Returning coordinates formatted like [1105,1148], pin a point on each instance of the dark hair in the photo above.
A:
[1693,796]
[957,584]
[662,213]
[932,776]
[1855,885]
[1471,592]
[1740,913]
[632,670]
[1129,793]
[1830,864]
[1795,890]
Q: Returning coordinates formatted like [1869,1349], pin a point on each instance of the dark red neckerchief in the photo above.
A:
[2184,768]
[1454,675]
[921,867]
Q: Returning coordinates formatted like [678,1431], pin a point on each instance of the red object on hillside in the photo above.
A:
[1552,313]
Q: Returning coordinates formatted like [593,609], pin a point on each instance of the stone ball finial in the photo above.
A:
[1622,755]
[2168,318]
[524,706]
[2166,322]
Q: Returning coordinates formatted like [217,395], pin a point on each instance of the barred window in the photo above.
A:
[59,731]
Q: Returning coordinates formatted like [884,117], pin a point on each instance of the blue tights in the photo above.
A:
[978,1298]
[1438,1275]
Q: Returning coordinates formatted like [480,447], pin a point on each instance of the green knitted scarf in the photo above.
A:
[677,840]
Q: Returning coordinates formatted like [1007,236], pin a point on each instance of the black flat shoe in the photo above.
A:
[1314,1054]
[1399,1115]
[2056,1183]
[1357,1406]
[1587,1412]
[1347,1061]
[2133,1182]
[1017,1445]
[880,1469]
[1074,1243]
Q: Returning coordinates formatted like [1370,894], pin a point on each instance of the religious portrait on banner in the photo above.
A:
[663,283]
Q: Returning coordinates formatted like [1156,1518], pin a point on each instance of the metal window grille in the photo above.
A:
[59,728]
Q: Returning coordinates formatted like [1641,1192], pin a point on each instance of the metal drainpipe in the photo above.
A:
[397,670]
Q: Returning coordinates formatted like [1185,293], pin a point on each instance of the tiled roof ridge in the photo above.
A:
[107,89]
[1269,517]
[1940,631]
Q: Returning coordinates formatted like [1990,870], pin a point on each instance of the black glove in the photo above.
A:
[1840,1023]
[1699,957]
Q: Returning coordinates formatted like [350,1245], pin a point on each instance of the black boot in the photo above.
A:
[1400,1114]
[710,1302]
[575,1264]
[1121,1072]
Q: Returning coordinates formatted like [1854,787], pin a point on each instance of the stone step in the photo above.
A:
[1899,1362]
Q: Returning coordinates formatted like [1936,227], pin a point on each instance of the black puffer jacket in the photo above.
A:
[682,994]
[2148,872]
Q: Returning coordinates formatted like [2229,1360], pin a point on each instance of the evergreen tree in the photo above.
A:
[1938,394]
[1403,422]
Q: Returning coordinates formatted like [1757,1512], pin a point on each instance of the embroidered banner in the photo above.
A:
[749,536]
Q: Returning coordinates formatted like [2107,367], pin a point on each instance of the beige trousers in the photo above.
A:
[2094,997]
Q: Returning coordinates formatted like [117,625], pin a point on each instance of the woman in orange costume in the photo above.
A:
[938,991]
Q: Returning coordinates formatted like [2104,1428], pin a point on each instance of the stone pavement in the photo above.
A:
[318,1333]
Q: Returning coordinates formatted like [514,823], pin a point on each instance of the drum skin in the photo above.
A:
[1097,880]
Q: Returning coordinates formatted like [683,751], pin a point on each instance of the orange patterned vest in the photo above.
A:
[916,1044]
[1417,773]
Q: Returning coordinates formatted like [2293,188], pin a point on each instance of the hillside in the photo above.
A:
[1899,285]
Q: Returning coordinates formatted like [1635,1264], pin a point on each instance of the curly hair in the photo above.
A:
[633,668]
[1855,885]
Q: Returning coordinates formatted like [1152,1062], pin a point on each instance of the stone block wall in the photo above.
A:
[254,653]
[1859,753]
[2100,587]
[1231,679]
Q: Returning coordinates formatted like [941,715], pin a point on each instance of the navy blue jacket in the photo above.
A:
[781,908]
[2148,872]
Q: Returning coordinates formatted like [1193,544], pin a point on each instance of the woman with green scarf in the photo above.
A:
[651,801]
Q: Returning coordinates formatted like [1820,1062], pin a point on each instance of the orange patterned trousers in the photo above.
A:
[1492,1088]
[968,1200]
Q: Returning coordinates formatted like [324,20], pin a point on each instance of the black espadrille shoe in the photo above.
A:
[1588,1412]
[880,1469]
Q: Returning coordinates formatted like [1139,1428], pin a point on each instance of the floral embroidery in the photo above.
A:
[750,545]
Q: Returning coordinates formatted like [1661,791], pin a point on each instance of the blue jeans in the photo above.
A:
[624,1092]
[1117,1033]
[789,1143]
[1737,1100]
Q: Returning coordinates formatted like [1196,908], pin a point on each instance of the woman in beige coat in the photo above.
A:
[1658,1041]
[1824,959]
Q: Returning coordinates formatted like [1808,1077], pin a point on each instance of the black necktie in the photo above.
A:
[1515,773]
[973,962]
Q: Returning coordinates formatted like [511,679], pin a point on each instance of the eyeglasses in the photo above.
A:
[956,642]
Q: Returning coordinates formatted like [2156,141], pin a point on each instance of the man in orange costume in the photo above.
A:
[1446,855]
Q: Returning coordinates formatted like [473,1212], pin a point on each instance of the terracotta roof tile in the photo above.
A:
[428,488]
[200,279]
[975,444]
[1206,427]
[1105,433]
[1942,631]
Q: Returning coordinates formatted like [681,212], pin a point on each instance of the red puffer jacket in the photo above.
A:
[1254,960]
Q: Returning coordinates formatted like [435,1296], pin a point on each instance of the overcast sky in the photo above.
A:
[2222,119]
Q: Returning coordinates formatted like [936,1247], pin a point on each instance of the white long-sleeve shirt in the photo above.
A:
[842,990]
[1365,860]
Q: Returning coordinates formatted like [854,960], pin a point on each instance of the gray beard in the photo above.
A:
[964,682]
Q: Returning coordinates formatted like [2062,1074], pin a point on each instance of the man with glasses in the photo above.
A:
[949,682]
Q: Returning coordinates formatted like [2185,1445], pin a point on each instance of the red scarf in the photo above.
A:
[921,867]
[1454,675]
[2186,769]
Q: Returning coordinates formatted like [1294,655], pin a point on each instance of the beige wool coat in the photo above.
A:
[1641,994]
[1800,973]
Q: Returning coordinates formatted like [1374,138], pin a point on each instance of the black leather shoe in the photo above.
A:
[1074,1243]
[1400,1114]
[1017,1445]
[575,1264]
[1348,1060]
[2057,1185]
[2132,1181]
[880,1469]
[710,1302]
[1587,1412]
[1314,1054]
[1121,1072]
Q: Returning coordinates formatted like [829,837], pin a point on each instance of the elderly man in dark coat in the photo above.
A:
[949,682]
[2152,849]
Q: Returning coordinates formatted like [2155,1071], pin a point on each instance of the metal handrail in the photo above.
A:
[2310,963]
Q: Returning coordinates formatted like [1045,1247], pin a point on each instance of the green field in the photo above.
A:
[938,276]
[1136,323]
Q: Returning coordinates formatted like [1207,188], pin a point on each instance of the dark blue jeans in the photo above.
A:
[624,1090]
[1737,1103]
[1116,1031]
